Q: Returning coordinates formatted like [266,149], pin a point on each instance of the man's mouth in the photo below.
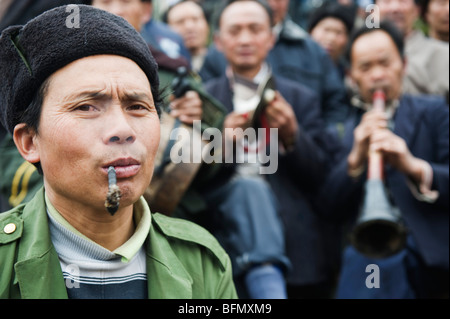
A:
[125,167]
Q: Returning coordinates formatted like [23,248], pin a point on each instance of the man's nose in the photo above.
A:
[378,73]
[245,36]
[119,130]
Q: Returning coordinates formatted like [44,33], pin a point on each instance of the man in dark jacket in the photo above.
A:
[297,57]
[412,138]
[249,204]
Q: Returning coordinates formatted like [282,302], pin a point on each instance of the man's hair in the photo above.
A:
[332,10]
[423,4]
[385,26]
[165,15]
[227,3]
[32,114]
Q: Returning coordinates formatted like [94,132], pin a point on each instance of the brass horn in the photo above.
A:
[379,231]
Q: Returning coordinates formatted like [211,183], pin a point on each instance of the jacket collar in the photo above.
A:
[291,31]
[38,270]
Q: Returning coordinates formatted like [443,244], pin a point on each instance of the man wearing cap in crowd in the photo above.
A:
[78,100]
[330,25]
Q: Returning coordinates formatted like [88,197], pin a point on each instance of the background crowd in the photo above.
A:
[288,233]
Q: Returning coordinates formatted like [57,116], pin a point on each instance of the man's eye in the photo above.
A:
[137,107]
[85,108]
[364,68]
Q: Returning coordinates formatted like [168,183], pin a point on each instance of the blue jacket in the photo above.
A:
[297,57]
[299,175]
[423,122]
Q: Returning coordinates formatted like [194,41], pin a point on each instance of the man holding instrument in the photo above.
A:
[412,137]
[258,215]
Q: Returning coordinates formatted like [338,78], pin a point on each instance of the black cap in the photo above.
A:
[332,10]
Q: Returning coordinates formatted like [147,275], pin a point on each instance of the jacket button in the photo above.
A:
[9,228]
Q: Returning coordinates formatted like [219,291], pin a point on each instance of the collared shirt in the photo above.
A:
[247,94]
[92,271]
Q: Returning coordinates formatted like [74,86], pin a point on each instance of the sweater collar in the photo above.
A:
[65,235]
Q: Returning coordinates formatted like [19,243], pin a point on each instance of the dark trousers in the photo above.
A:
[245,221]
[401,276]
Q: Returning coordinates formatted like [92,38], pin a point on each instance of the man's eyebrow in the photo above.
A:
[98,95]
[136,96]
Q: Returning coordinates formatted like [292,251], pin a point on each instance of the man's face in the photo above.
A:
[403,13]
[331,34]
[437,16]
[245,36]
[135,12]
[279,8]
[376,63]
[98,112]
[188,20]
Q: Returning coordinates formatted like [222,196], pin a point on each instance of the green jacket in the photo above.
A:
[183,260]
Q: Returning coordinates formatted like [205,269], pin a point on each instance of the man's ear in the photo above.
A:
[25,140]
[272,41]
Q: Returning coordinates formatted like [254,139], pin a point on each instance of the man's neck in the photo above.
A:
[108,231]
[247,73]
[198,51]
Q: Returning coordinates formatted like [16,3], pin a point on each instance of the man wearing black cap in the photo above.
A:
[82,102]
[330,25]
[19,179]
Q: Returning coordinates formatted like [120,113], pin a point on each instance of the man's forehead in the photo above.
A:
[371,42]
[243,11]
[99,74]
[400,2]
